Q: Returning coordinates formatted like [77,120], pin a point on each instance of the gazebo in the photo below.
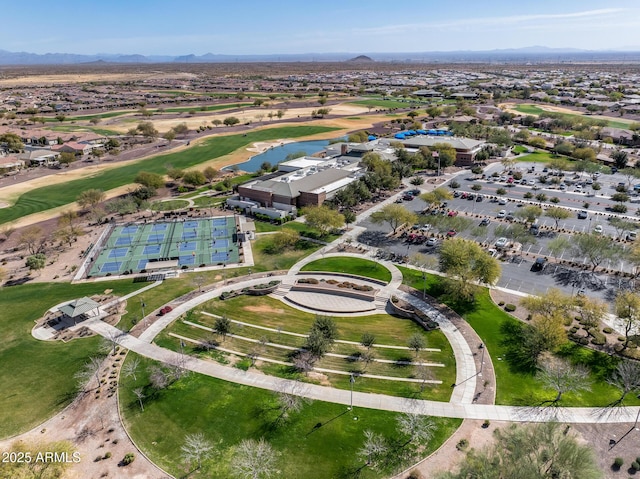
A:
[80,308]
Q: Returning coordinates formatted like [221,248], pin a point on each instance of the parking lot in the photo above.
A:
[485,221]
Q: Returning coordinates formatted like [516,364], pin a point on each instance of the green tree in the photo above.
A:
[66,158]
[90,198]
[627,308]
[147,130]
[210,173]
[436,197]
[222,326]
[465,263]
[536,451]
[557,214]
[148,179]
[548,312]
[323,219]
[175,173]
[194,178]
[36,262]
[230,121]
[416,343]
[12,142]
[394,215]
[595,248]
[529,213]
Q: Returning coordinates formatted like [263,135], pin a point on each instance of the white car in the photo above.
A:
[502,242]
[531,182]
[501,214]
[579,187]
[598,229]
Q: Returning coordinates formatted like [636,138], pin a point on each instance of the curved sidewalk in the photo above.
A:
[366,400]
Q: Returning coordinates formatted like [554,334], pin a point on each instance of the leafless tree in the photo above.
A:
[131,368]
[158,377]
[626,378]
[254,460]
[139,394]
[374,449]
[416,427]
[304,361]
[91,369]
[196,447]
[33,239]
[290,395]
[563,377]
[423,373]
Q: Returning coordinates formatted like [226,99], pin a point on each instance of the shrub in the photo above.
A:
[509,307]
[618,462]
[107,455]
[501,303]
[486,423]
[607,330]
[415,474]
[454,184]
[462,444]
[635,465]
[128,458]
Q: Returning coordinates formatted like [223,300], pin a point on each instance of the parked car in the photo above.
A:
[451,233]
[501,214]
[485,222]
[539,264]
[501,242]
[452,213]
[502,201]
[598,229]
[431,242]
[583,214]
[478,198]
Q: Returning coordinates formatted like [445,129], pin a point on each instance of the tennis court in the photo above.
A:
[193,243]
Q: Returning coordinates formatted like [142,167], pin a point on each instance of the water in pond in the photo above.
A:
[278,154]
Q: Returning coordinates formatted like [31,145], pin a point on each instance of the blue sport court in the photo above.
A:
[129,249]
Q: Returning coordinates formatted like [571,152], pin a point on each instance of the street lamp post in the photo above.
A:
[481,357]
[352,380]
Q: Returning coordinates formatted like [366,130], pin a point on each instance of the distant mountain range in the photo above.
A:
[515,55]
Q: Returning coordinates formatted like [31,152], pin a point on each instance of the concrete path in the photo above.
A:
[365,400]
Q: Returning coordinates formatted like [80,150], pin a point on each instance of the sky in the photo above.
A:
[167,27]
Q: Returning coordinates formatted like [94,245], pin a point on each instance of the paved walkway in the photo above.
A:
[366,400]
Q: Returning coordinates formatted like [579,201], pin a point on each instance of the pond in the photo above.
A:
[278,154]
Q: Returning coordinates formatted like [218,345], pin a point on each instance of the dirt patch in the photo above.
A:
[92,424]
[263,309]
[499,296]
[321,379]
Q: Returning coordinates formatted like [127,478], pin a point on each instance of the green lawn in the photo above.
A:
[283,260]
[110,114]
[515,386]
[84,128]
[538,156]
[47,197]
[321,441]
[357,266]
[36,376]
[197,109]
